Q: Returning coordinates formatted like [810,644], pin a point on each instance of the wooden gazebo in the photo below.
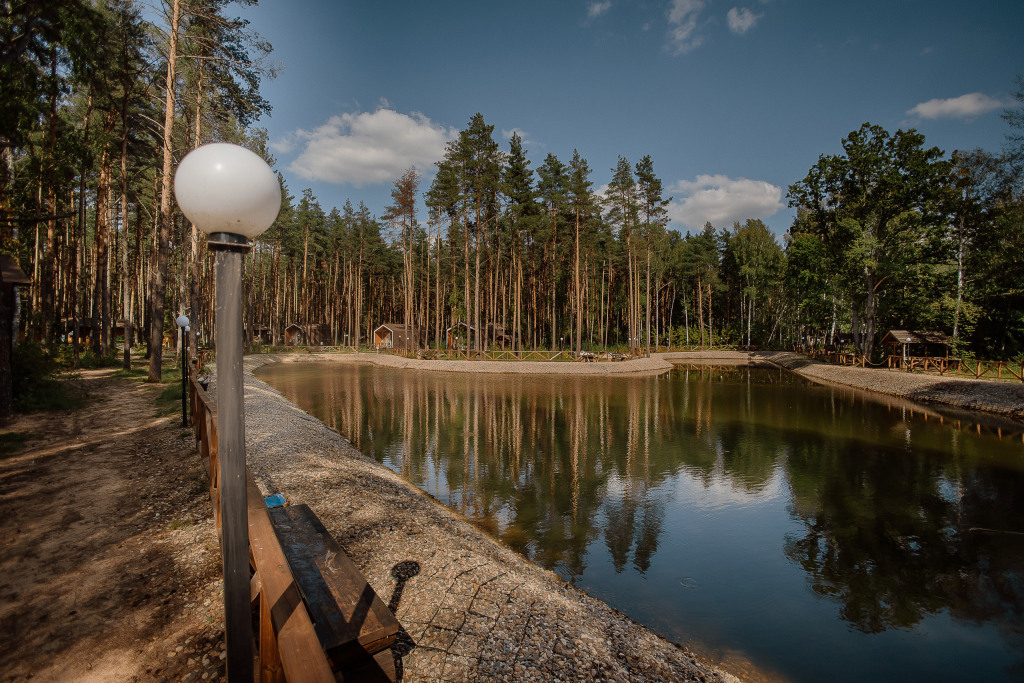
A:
[916,343]
[911,348]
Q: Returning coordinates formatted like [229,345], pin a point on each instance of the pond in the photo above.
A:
[815,532]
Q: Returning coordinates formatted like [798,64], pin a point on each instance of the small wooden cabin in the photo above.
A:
[261,335]
[498,335]
[916,343]
[294,336]
[461,336]
[316,334]
[86,327]
[319,334]
[394,336]
[11,276]
[458,336]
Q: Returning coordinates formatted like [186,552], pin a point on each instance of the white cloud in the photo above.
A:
[367,148]
[722,201]
[527,141]
[963,107]
[596,9]
[741,20]
[682,19]
[285,145]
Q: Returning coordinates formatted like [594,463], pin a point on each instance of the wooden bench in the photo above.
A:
[355,627]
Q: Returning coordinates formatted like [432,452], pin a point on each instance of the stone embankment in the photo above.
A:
[471,608]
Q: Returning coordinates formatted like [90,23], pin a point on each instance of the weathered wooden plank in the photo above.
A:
[351,620]
[271,670]
[302,657]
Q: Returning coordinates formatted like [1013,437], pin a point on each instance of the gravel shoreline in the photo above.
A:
[471,608]
[990,396]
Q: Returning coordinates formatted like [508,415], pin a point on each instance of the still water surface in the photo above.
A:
[818,532]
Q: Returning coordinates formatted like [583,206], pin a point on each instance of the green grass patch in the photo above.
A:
[47,394]
[11,443]
[198,482]
[169,400]
[36,384]
[134,373]
[178,523]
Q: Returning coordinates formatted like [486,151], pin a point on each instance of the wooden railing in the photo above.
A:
[289,649]
[835,357]
[311,626]
[978,369]
[957,367]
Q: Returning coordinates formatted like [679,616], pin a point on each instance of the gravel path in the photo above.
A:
[992,396]
[471,608]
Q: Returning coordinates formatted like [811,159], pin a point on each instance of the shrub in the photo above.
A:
[34,384]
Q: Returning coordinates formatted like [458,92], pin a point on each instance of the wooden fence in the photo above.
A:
[291,645]
[536,354]
[956,367]
[835,357]
[978,369]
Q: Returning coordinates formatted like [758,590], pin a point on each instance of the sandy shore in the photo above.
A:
[471,608]
[653,365]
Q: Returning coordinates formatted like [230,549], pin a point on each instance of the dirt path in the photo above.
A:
[110,562]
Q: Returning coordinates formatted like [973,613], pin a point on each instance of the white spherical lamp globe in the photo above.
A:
[182,321]
[226,188]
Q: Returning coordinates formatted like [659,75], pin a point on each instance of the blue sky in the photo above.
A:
[733,100]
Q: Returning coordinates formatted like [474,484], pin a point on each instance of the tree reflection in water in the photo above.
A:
[895,537]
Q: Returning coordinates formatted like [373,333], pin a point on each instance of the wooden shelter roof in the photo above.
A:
[395,328]
[11,273]
[915,337]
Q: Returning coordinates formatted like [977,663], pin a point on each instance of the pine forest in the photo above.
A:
[100,104]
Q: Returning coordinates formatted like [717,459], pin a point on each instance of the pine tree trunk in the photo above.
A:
[158,265]
[578,293]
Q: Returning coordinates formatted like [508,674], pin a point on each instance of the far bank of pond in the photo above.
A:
[818,531]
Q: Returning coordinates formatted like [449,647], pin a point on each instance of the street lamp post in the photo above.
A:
[232,195]
[182,323]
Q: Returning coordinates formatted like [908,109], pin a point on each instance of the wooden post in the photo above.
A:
[10,276]
[238,635]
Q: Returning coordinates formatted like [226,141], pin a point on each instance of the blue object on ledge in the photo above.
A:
[275,501]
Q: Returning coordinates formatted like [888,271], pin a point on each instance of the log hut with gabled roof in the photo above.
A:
[293,335]
[461,336]
[394,336]
[11,276]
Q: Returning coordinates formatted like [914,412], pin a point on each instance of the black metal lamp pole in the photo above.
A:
[182,323]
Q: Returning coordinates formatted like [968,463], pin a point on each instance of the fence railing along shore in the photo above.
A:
[956,367]
[313,627]
[940,365]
